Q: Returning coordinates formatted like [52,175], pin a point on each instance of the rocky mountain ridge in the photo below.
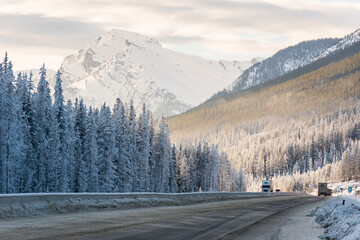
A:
[135,67]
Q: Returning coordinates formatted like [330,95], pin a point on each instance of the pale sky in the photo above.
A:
[38,31]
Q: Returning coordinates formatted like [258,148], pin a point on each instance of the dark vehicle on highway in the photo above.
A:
[324,190]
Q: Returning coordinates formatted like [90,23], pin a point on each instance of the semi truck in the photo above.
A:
[267,186]
[323,189]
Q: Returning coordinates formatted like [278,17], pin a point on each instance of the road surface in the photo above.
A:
[261,218]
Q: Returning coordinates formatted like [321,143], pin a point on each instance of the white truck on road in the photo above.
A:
[267,186]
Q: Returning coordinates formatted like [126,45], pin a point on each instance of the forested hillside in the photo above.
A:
[49,146]
[284,61]
[296,131]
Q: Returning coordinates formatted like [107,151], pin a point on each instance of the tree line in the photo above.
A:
[47,145]
[295,128]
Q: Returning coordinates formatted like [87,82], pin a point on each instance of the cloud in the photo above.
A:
[170,38]
[32,40]
[37,30]
[218,29]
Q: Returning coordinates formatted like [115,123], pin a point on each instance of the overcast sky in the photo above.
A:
[38,31]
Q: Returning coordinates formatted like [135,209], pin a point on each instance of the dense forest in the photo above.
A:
[297,132]
[282,62]
[49,146]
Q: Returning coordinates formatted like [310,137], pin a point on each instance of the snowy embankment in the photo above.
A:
[15,205]
[341,188]
[340,221]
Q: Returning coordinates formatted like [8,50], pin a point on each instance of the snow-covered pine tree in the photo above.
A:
[29,130]
[214,169]
[206,168]
[11,141]
[173,171]
[81,167]
[152,162]
[54,160]
[143,149]
[43,110]
[91,153]
[123,165]
[70,131]
[190,154]
[184,159]
[63,136]
[162,149]
[132,146]
[107,151]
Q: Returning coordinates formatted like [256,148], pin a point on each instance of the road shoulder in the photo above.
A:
[300,225]
[292,223]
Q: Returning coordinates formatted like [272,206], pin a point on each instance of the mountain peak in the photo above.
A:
[116,36]
[135,67]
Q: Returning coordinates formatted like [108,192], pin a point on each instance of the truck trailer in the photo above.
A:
[267,186]
[323,189]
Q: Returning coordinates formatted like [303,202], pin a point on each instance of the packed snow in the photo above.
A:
[340,221]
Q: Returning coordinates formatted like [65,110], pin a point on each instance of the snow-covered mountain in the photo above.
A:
[135,67]
[345,42]
[291,58]
[281,63]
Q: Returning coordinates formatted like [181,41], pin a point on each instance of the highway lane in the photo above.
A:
[211,220]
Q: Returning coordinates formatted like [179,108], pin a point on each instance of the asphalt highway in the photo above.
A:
[260,218]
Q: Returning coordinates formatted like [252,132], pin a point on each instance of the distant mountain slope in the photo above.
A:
[292,130]
[330,58]
[282,62]
[345,42]
[135,67]
[324,90]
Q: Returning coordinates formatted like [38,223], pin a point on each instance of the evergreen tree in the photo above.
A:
[143,150]
[107,151]
[173,171]
[162,149]
[61,118]
[70,131]
[11,141]
[91,153]
[132,146]
[81,167]
[29,131]
[152,163]
[123,163]
[43,109]
[47,147]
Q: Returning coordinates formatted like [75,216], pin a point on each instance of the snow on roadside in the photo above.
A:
[16,205]
[340,221]
[341,188]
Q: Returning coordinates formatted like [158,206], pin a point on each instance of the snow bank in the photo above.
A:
[340,221]
[341,188]
[15,205]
